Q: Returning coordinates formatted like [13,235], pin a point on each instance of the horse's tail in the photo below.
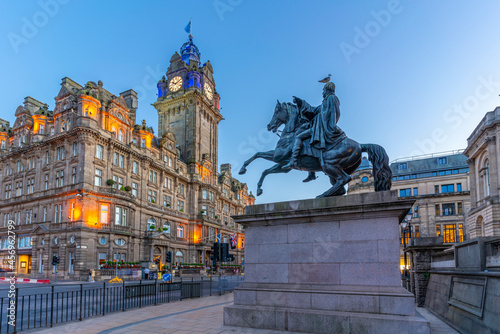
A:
[380,161]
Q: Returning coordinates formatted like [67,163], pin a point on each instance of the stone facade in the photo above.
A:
[440,185]
[86,183]
[483,148]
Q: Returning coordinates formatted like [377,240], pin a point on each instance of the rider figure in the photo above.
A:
[324,132]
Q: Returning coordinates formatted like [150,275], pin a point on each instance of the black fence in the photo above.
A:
[46,306]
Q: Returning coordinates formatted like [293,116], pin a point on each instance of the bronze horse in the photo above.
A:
[337,162]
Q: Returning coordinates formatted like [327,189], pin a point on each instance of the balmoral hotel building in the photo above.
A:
[439,183]
[85,182]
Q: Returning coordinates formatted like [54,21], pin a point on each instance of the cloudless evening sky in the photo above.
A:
[416,82]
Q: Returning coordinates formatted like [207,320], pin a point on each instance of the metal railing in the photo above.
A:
[46,306]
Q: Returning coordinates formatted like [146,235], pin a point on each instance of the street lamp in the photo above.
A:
[406,223]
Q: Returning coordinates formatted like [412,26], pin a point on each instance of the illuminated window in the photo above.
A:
[449,233]
[460,232]
[63,128]
[104,213]
[72,214]
[438,230]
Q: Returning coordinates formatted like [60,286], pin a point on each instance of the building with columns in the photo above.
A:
[86,182]
[483,158]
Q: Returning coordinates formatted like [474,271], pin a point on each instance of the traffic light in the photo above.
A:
[225,252]
[157,261]
[169,257]
[54,261]
[215,252]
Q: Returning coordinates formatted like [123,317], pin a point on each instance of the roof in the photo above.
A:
[430,164]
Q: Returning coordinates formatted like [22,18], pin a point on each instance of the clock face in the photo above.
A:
[208,91]
[175,84]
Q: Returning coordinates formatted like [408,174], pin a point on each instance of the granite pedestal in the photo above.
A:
[328,265]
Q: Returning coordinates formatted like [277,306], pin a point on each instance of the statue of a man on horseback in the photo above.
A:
[311,141]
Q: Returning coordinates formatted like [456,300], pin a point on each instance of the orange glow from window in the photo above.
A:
[147,137]
[77,212]
[90,106]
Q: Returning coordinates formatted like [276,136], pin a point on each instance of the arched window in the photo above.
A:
[40,129]
[63,126]
[487,172]
[51,131]
[3,145]
[179,257]
[151,223]
[120,135]
[180,231]
[480,226]
[166,227]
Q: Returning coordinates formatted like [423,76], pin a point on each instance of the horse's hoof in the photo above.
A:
[259,192]
[242,171]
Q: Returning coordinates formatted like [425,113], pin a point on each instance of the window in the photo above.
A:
[403,165]
[115,159]
[44,213]
[98,177]
[153,176]
[57,213]
[415,191]
[447,188]
[143,142]
[449,233]
[59,179]
[104,213]
[120,216]
[122,161]
[168,183]
[180,205]
[448,209]
[52,131]
[118,182]
[415,211]
[459,208]
[19,188]
[135,167]
[8,189]
[404,192]
[30,187]
[459,187]
[120,135]
[3,145]
[151,196]
[204,194]
[167,200]
[20,167]
[120,242]
[166,227]
[63,124]
[73,175]
[151,224]
[437,209]
[180,231]
[179,257]
[134,189]
[72,212]
[103,240]
[60,153]
[460,232]
[180,189]
[75,149]
[99,150]
[443,161]
[436,189]
[47,157]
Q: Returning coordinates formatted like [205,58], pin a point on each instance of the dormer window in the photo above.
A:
[120,134]
[86,113]
[143,142]
[40,129]
[51,131]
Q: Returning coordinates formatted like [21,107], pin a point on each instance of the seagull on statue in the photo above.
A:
[325,80]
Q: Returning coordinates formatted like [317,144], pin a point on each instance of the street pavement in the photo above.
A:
[196,316]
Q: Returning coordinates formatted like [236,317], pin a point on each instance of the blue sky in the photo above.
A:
[413,76]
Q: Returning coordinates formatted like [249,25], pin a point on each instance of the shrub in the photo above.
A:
[128,188]
[110,182]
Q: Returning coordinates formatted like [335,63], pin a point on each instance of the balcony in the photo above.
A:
[111,227]
[113,191]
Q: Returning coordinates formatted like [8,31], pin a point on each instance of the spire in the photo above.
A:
[189,51]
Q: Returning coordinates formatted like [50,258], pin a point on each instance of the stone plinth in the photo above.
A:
[328,265]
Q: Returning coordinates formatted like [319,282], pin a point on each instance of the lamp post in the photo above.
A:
[404,225]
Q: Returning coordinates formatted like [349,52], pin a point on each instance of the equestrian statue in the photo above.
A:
[311,141]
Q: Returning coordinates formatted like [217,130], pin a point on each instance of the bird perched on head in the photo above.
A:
[325,80]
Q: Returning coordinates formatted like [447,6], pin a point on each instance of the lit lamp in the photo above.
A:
[404,225]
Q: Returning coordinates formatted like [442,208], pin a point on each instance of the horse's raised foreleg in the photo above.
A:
[273,170]
[338,178]
[269,155]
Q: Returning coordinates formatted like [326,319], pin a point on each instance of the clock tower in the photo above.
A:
[188,107]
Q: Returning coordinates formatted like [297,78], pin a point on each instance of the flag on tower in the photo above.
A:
[234,241]
[188,27]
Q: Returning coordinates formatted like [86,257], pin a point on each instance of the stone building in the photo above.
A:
[87,183]
[483,152]
[439,183]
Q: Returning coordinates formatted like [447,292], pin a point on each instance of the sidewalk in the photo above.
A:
[201,315]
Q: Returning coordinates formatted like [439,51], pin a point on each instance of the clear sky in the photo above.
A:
[413,76]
